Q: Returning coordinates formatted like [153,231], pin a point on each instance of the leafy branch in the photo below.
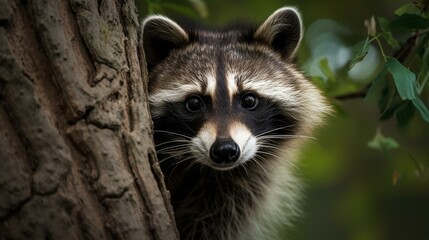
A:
[398,88]
[407,85]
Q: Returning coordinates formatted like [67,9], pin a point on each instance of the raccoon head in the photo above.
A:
[224,98]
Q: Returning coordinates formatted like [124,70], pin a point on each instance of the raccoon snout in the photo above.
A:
[224,151]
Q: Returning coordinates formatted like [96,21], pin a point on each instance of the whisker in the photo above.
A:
[176,152]
[255,160]
[179,146]
[273,130]
[313,139]
[184,123]
[173,133]
[165,159]
[266,146]
[174,155]
[286,137]
[191,164]
[243,165]
[268,153]
[183,160]
[172,141]
[277,156]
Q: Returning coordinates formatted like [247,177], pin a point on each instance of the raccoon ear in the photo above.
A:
[160,36]
[282,31]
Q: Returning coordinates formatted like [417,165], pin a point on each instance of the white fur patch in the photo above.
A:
[178,93]
[202,143]
[211,86]
[302,100]
[273,89]
[158,99]
[231,83]
[245,140]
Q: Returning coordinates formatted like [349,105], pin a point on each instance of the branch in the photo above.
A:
[407,48]
[355,95]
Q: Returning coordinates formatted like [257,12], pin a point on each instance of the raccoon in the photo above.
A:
[230,110]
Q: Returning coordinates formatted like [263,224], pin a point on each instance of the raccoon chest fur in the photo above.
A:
[217,205]
[230,110]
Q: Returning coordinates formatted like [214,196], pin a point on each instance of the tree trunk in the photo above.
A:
[77,159]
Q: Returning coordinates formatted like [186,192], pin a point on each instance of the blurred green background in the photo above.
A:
[352,191]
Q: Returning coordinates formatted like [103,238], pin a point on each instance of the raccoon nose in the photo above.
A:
[224,151]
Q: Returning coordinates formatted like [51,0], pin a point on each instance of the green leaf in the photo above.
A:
[376,84]
[407,8]
[409,21]
[421,107]
[320,82]
[389,101]
[200,7]
[359,52]
[178,8]
[405,80]
[404,113]
[326,70]
[392,105]
[386,34]
[423,76]
[396,176]
[384,23]
[390,40]
[382,143]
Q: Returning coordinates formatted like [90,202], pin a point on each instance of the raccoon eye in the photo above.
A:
[249,101]
[194,104]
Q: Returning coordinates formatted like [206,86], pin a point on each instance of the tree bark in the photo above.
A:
[77,159]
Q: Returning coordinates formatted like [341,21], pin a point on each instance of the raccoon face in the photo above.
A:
[225,98]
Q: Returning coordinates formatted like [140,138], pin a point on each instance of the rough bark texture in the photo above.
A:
[76,153]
